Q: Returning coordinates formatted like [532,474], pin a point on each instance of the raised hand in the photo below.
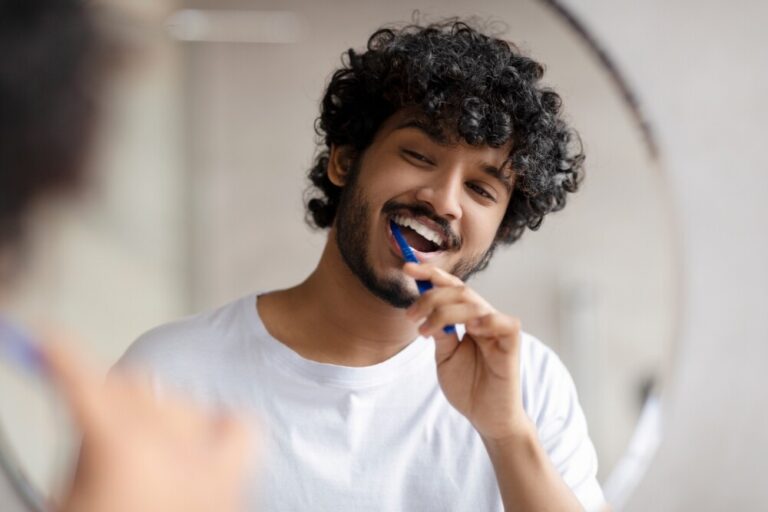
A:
[479,375]
[142,454]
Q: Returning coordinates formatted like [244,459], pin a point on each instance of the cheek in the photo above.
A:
[482,227]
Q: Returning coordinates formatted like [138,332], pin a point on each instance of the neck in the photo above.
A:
[335,319]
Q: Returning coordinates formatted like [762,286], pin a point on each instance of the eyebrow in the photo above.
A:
[437,136]
[434,133]
[503,178]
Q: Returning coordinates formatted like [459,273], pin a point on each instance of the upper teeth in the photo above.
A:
[428,233]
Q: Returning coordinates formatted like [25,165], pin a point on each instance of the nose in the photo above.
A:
[443,194]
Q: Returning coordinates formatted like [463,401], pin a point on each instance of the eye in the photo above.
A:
[413,155]
[481,191]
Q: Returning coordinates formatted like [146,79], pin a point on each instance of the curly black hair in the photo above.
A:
[468,85]
[53,59]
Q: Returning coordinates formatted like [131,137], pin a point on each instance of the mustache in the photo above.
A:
[453,241]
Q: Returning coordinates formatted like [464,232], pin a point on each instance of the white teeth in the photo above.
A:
[420,228]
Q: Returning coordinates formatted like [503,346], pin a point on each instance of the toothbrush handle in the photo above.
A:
[408,255]
[423,287]
[19,348]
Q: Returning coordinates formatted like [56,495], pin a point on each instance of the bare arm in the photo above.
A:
[527,479]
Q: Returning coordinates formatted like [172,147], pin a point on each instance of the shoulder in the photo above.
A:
[543,372]
[549,393]
[551,401]
[203,337]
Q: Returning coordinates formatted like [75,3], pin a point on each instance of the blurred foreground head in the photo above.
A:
[52,65]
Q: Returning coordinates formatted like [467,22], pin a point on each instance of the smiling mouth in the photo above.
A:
[420,237]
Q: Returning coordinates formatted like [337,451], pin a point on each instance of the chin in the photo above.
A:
[393,288]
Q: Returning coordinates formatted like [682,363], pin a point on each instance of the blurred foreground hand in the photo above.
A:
[143,455]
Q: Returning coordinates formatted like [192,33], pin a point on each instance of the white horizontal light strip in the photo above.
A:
[229,26]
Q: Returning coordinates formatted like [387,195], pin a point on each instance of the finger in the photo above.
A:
[449,315]
[503,328]
[427,272]
[181,416]
[446,345]
[438,297]
[75,380]
[229,430]
[247,435]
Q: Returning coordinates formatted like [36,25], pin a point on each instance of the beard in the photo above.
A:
[352,238]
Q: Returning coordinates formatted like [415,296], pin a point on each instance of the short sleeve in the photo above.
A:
[551,401]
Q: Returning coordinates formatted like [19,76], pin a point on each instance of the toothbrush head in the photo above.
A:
[408,256]
[405,249]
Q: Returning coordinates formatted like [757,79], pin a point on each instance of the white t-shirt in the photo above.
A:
[381,437]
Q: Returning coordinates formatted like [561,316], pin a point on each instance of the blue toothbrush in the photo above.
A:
[408,255]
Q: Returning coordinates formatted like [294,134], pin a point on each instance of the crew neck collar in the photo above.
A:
[416,355]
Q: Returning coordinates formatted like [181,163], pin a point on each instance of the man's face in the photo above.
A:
[448,199]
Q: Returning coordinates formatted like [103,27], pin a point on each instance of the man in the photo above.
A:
[136,451]
[368,403]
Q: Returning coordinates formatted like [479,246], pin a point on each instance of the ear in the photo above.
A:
[339,164]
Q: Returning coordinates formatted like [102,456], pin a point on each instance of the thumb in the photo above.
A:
[74,379]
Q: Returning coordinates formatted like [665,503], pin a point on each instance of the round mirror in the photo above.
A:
[203,166]
[597,281]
